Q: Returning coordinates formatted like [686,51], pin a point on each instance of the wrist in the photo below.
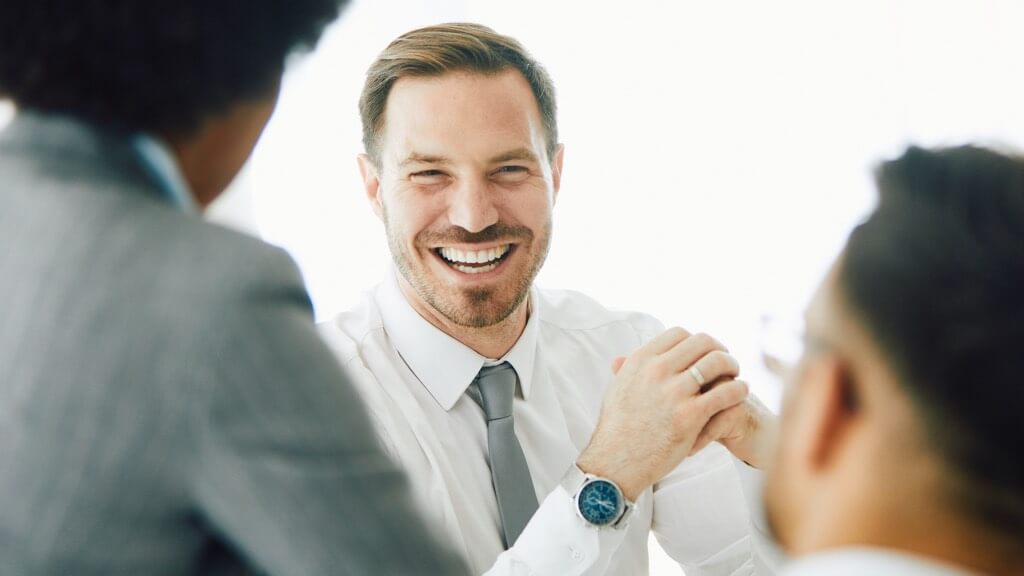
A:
[598,501]
[756,448]
[594,465]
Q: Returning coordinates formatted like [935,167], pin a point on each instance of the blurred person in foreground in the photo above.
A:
[900,443]
[497,396]
[166,406]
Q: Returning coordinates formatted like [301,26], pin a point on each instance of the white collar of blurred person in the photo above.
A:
[873,561]
[445,366]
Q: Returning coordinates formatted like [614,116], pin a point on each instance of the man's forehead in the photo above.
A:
[461,114]
[520,153]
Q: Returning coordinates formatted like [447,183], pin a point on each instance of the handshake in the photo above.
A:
[668,400]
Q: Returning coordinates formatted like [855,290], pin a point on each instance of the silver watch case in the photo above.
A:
[574,481]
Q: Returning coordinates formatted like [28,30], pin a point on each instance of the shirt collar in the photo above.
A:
[159,161]
[445,366]
[875,561]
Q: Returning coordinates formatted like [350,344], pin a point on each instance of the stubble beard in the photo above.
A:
[476,307]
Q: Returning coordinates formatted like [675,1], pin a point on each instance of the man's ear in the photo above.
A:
[371,184]
[556,170]
[829,410]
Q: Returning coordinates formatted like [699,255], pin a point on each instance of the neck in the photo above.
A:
[191,157]
[489,341]
[210,156]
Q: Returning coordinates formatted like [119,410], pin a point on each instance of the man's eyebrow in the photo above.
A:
[417,158]
[517,154]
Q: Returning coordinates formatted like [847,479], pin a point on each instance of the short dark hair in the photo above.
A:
[936,274]
[444,48]
[161,66]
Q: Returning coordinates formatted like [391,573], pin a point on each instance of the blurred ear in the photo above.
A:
[828,411]
[371,184]
[556,170]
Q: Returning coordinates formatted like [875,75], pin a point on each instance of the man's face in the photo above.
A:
[465,189]
[789,482]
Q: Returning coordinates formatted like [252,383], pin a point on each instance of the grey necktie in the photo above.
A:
[509,472]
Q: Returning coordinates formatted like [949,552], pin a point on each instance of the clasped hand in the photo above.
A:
[658,411]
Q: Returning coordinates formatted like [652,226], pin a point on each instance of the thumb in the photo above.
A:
[617,364]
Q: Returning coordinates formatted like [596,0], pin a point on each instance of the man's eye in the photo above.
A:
[426,175]
[512,173]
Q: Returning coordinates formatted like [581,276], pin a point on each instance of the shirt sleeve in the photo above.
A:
[557,542]
[701,517]
[768,557]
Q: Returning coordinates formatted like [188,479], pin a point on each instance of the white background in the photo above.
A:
[717,153]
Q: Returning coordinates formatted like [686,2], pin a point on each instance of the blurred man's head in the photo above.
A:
[188,71]
[462,164]
[902,425]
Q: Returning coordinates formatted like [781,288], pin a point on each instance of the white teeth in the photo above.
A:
[474,256]
[475,269]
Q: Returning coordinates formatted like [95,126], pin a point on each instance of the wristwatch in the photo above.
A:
[598,501]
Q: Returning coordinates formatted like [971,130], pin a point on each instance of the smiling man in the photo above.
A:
[533,443]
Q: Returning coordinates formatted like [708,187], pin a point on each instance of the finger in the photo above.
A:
[723,396]
[686,353]
[716,428]
[707,371]
[712,368]
[665,341]
[617,364]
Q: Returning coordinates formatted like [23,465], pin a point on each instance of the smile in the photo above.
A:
[474,261]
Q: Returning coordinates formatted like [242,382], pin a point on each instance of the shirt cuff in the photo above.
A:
[557,542]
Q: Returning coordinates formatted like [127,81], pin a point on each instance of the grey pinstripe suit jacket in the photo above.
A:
[166,406]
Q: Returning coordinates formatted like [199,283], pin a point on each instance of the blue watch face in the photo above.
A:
[600,502]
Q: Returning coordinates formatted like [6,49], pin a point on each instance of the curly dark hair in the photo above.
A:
[937,275]
[160,66]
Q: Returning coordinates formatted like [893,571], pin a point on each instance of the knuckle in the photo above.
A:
[725,363]
[744,388]
[710,366]
[736,392]
[703,341]
[676,332]
[709,342]
[682,419]
[654,370]
[676,394]
[718,362]
[674,335]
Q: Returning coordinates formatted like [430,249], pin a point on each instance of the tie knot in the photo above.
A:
[497,385]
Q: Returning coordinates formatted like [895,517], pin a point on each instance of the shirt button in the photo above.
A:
[576,554]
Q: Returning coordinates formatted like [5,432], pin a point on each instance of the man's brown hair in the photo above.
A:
[437,50]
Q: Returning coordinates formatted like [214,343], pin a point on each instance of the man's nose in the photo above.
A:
[472,207]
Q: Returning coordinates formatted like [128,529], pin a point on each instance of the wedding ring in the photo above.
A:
[695,372]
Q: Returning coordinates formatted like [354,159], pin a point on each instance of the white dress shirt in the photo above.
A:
[868,562]
[414,377]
